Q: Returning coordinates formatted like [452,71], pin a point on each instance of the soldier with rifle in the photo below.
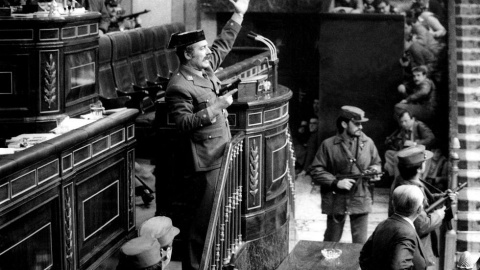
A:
[411,164]
[118,20]
[352,154]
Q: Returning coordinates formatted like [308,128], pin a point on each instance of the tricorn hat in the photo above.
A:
[413,155]
[141,252]
[186,38]
[467,260]
[160,228]
[353,113]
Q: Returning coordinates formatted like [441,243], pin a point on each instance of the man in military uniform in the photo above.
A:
[198,111]
[348,152]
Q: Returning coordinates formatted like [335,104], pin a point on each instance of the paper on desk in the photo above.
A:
[69,124]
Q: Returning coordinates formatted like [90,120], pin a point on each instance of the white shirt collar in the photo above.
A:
[408,220]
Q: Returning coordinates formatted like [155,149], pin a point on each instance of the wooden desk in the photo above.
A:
[307,255]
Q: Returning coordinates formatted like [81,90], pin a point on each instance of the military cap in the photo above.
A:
[354,114]
[468,260]
[185,38]
[413,155]
[141,252]
[421,68]
[112,3]
[160,228]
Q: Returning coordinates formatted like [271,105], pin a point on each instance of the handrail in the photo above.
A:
[224,233]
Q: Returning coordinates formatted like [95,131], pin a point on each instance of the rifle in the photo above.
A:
[443,199]
[359,175]
[131,16]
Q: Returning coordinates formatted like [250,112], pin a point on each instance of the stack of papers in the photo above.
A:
[27,140]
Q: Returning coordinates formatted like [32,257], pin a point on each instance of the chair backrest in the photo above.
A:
[148,58]
[105,73]
[121,67]
[135,56]
[173,62]
[160,41]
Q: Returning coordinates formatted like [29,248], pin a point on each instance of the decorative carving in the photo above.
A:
[50,81]
[254,156]
[68,230]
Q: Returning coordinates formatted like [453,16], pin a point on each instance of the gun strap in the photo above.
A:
[353,160]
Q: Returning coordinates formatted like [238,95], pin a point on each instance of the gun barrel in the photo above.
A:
[133,15]
[359,175]
[440,201]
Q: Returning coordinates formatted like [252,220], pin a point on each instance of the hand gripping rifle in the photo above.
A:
[448,211]
[434,205]
[364,174]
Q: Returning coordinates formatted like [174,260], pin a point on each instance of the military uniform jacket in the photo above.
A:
[331,160]
[188,97]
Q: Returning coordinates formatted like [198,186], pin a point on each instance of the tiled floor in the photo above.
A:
[308,224]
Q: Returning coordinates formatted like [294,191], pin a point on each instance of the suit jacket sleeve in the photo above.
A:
[425,134]
[366,255]
[403,254]
[426,223]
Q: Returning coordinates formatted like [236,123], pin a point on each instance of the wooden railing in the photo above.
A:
[224,235]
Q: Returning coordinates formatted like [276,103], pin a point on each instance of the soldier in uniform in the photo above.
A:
[348,152]
[197,109]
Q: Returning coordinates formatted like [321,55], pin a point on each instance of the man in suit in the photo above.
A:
[411,132]
[411,165]
[200,113]
[395,244]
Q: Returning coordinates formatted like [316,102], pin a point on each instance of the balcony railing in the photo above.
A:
[224,235]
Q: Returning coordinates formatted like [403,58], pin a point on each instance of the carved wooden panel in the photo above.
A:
[30,240]
[69,226]
[254,157]
[131,188]
[275,164]
[49,81]
[79,76]
[15,78]
[100,201]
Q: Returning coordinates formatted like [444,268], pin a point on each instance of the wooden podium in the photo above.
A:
[48,69]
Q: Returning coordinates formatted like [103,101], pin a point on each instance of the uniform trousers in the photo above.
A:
[358,225]
[199,224]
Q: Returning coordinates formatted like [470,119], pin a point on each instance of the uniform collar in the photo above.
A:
[195,76]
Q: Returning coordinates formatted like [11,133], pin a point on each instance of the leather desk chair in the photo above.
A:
[138,68]
[123,74]
[108,91]
[148,58]
[160,41]
[172,59]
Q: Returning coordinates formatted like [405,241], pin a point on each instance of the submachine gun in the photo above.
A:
[448,211]
[132,16]
[364,174]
